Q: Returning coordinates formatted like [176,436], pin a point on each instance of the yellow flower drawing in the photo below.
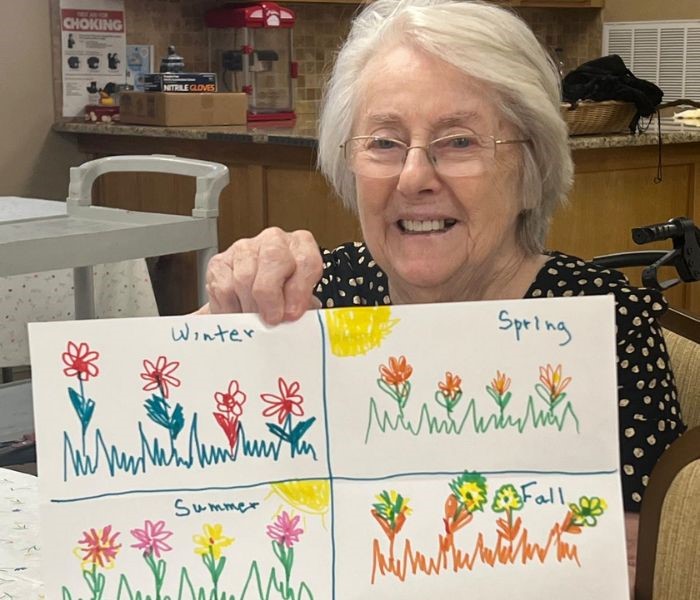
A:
[470,491]
[212,541]
[587,511]
[355,331]
[507,498]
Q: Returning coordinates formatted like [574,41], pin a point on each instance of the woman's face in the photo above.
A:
[432,233]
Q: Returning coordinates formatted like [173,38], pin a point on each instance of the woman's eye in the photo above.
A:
[382,144]
[461,142]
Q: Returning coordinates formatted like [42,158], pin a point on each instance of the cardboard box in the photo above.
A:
[182,110]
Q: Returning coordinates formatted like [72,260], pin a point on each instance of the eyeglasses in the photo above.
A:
[464,154]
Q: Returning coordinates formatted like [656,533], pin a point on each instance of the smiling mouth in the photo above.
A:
[430,226]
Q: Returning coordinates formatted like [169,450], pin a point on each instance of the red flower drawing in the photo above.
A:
[231,406]
[80,361]
[159,376]
[231,401]
[288,402]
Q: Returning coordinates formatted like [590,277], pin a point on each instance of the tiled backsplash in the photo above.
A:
[317,34]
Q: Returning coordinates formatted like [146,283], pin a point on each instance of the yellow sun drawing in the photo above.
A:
[311,497]
[353,331]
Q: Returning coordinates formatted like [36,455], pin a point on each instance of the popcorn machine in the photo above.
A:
[250,48]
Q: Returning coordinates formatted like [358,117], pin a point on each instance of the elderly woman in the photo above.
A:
[441,129]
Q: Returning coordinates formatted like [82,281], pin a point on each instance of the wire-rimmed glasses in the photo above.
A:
[463,154]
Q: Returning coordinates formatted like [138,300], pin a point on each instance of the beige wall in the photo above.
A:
[650,10]
[34,161]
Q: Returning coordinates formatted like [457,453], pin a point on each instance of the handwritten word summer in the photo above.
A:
[522,326]
[218,334]
[185,509]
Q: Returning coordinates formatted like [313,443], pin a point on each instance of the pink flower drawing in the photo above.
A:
[284,530]
[151,539]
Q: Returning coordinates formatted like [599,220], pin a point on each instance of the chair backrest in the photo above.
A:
[682,334]
[668,554]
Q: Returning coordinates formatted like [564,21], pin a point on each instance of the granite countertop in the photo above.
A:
[302,132]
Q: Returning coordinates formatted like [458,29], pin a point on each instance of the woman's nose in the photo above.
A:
[418,173]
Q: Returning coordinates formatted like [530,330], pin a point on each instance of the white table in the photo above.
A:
[19,537]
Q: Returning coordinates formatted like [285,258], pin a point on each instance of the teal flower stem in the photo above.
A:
[158,570]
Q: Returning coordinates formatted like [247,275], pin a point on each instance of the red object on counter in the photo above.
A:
[256,15]
[97,113]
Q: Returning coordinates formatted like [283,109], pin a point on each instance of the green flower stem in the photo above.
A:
[95,581]
[158,570]
[215,569]
[286,557]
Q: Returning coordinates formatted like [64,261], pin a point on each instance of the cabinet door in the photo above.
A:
[301,199]
[614,191]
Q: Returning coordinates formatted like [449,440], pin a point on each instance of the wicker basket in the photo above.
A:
[609,116]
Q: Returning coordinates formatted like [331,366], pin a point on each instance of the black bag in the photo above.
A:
[608,78]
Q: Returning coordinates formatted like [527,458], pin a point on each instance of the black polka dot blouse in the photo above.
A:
[649,412]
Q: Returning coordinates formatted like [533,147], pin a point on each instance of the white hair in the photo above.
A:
[485,42]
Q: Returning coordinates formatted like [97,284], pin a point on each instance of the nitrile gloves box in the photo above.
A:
[179,82]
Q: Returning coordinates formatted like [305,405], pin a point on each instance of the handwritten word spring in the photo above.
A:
[183,509]
[533,324]
[217,335]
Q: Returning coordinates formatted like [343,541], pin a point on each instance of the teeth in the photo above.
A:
[434,225]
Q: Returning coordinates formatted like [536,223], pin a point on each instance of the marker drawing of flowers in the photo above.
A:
[284,533]
[289,402]
[80,363]
[99,548]
[552,385]
[159,376]
[230,407]
[209,546]
[394,380]
[151,540]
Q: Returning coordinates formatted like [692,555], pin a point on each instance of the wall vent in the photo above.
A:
[665,52]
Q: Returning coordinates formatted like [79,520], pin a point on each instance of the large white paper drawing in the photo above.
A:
[387,452]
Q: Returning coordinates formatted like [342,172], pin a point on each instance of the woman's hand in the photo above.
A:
[273,274]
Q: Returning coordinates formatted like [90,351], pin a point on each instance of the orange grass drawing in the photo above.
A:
[451,558]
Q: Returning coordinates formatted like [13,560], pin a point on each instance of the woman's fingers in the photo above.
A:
[308,268]
[220,286]
[276,265]
[273,274]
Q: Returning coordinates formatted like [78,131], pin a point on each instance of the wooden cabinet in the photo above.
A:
[277,185]
[614,190]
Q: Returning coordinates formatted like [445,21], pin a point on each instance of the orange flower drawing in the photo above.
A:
[397,372]
[552,380]
[451,386]
[500,383]
[99,546]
